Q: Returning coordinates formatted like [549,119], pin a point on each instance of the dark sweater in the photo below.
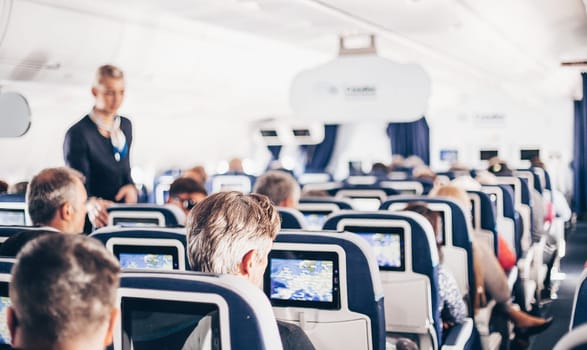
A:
[87,151]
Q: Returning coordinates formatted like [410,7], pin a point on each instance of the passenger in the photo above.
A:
[63,294]
[281,188]
[18,188]
[235,166]
[413,161]
[185,193]
[197,173]
[99,145]
[56,200]
[490,277]
[537,203]
[232,233]
[452,308]
[14,244]
[379,170]
[3,186]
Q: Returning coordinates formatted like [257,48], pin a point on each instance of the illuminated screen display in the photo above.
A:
[4,304]
[303,279]
[12,217]
[147,257]
[167,324]
[387,243]
[315,219]
[122,221]
[449,155]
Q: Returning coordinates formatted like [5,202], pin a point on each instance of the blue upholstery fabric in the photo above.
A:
[6,268]
[580,152]
[244,327]
[421,263]
[289,220]
[580,316]
[7,231]
[386,190]
[488,218]
[361,297]
[12,198]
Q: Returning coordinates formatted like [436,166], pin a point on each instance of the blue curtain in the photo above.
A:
[410,139]
[275,150]
[318,156]
[580,152]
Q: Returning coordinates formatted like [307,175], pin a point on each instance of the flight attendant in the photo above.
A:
[99,146]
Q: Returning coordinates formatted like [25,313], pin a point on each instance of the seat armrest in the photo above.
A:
[459,335]
[483,317]
[512,277]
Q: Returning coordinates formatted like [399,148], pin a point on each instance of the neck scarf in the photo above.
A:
[117,137]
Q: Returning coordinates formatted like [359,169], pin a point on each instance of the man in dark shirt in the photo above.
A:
[99,145]
[231,232]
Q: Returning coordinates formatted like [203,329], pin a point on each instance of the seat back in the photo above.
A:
[5,270]
[344,306]
[508,220]
[7,231]
[484,218]
[408,261]
[291,218]
[146,248]
[232,182]
[13,210]
[457,248]
[164,310]
[404,186]
[364,197]
[522,206]
[579,313]
[576,339]
[165,215]
[314,178]
[316,209]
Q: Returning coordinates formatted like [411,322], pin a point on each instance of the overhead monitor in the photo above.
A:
[449,155]
[487,154]
[315,218]
[12,216]
[167,324]
[4,303]
[387,242]
[148,254]
[303,279]
[528,154]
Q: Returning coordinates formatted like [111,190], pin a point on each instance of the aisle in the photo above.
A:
[560,308]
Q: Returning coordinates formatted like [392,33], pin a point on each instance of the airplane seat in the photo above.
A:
[458,255]
[404,186]
[484,219]
[316,209]
[143,215]
[5,271]
[232,182]
[409,272]
[579,313]
[364,197]
[13,210]
[291,218]
[576,339]
[6,231]
[145,247]
[168,310]
[314,178]
[351,301]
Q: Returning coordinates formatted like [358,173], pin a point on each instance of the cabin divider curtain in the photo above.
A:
[580,152]
[275,151]
[318,156]
[410,139]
